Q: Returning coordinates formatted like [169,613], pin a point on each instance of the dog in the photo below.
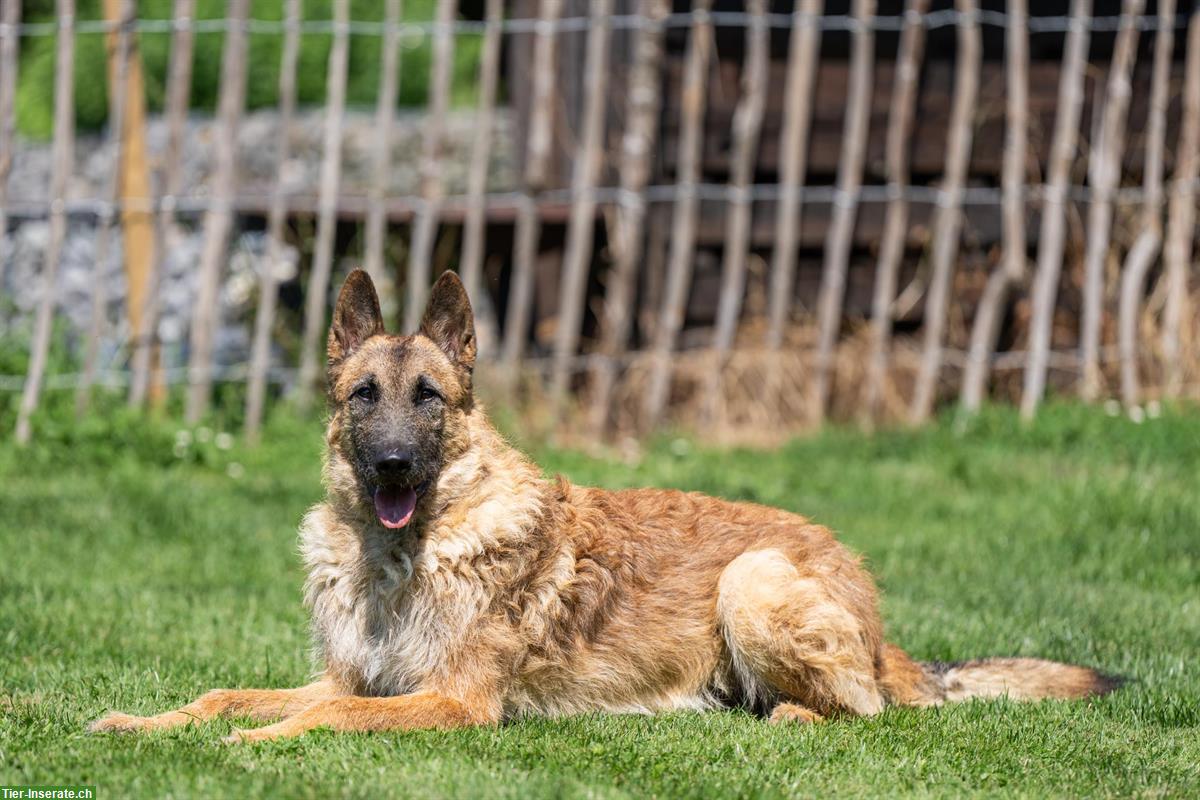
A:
[451,584]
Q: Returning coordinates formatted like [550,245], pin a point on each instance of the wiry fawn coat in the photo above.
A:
[510,594]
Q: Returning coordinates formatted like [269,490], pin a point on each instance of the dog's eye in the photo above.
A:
[426,394]
[366,392]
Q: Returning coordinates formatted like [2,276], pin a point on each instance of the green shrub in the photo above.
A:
[35,94]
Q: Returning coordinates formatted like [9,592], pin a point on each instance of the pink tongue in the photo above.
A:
[395,506]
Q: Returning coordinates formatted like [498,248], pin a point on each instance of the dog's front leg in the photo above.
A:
[259,704]
[404,712]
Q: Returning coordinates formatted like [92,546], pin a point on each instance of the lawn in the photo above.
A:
[142,566]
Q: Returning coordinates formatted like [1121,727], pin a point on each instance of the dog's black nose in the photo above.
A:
[394,463]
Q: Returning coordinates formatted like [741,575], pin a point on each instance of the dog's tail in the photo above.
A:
[910,683]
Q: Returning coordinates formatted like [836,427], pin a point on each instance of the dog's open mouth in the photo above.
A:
[394,505]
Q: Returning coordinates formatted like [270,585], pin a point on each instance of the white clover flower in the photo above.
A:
[235,470]
[223,440]
[203,434]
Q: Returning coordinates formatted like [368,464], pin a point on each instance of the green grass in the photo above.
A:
[134,579]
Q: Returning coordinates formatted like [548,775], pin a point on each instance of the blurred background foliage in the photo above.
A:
[35,94]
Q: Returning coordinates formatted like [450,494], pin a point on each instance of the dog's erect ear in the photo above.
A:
[449,322]
[356,317]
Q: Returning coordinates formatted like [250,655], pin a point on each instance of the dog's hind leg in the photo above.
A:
[792,642]
[259,704]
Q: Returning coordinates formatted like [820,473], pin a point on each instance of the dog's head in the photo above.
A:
[399,404]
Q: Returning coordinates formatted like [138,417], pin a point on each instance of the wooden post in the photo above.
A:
[268,287]
[683,221]
[845,205]
[637,145]
[219,219]
[381,157]
[425,225]
[64,157]
[588,160]
[475,224]
[121,15]
[1104,170]
[317,293]
[895,227]
[803,48]
[10,20]
[948,222]
[747,124]
[179,81]
[1181,220]
[528,226]
[985,330]
[1054,200]
[1146,246]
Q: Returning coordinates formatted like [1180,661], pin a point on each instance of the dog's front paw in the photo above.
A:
[120,723]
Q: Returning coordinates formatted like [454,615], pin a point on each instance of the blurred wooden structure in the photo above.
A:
[726,195]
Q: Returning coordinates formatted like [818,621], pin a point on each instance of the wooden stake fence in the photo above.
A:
[1149,241]
[537,158]
[588,158]
[641,129]
[683,221]
[1104,170]
[845,203]
[985,331]
[948,223]
[1178,327]
[268,285]
[122,14]
[481,146]
[64,159]
[179,82]
[803,48]
[10,19]
[219,219]
[747,125]
[1054,199]
[317,292]
[375,228]
[425,226]
[668,258]
[895,228]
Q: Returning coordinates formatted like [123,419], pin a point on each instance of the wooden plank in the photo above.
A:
[1146,247]
[985,329]
[589,158]
[219,219]
[1053,229]
[948,226]
[1104,174]
[803,48]
[683,220]
[268,286]
[1178,321]
[474,225]
[528,225]
[121,15]
[375,233]
[179,82]
[931,120]
[747,125]
[316,299]
[845,207]
[891,247]
[10,42]
[637,147]
[63,150]
[425,226]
